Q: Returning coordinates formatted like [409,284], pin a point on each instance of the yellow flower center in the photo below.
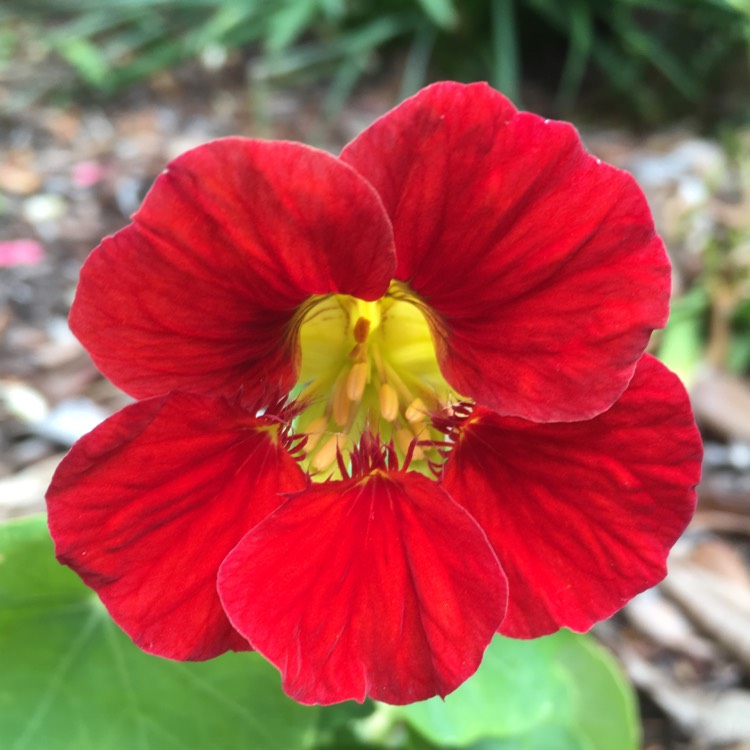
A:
[367,366]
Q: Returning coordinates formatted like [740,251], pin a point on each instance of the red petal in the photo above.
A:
[198,293]
[582,515]
[147,506]
[539,262]
[379,587]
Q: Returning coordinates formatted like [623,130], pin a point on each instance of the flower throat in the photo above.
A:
[368,367]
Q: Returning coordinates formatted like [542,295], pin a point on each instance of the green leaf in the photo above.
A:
[441,12]
[87,59]
[417,61]
[738,356]
[604,703]
[289,23]
[562,691]
[580,35]
[506,60]
[71,680]
[681,345]
[510,694]
[540,738]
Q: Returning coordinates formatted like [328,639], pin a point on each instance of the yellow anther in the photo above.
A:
[315,430]
[388,402]
[404,438]
[341,402]
[416,411]
[327,453]
[356,380]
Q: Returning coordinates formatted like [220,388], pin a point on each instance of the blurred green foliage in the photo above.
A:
[710,320]
[652,59]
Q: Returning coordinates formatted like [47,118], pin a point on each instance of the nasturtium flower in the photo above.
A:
[388,403]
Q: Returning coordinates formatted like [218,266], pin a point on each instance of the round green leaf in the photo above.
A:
[605,713]
[562,691]
[71,680]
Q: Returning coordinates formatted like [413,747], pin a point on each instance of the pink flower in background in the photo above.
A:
[390,403]
[21,253]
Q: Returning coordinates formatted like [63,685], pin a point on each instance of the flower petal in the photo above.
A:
[582,515]
[379,587]
[147,506]
[199,292]
[540,263]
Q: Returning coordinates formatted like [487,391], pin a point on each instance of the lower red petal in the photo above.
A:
[146,507]
[379,587]
[581,515]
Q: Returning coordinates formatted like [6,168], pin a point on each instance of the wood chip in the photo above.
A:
[23,493]
[721,607]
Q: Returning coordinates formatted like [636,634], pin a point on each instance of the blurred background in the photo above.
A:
[96,97]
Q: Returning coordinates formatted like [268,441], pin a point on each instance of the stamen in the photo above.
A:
[357,380]
[377,359]
[388,402]
[327,453]
[341,402]
[416,411]
[393,378]
[315,431]
[406,443]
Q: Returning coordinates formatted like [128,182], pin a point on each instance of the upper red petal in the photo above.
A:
[581,515]
[539,262]
[146,507]
[197,294]
[379,587]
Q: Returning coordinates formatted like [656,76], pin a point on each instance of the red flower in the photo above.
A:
[391,402]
